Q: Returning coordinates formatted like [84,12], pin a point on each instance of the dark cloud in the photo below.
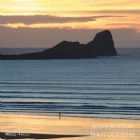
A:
[120,12]
[108,12]
[46,19]
[42,19]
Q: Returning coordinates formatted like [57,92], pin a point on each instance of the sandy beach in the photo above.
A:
[68,128]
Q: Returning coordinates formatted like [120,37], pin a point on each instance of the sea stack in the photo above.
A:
[101,45]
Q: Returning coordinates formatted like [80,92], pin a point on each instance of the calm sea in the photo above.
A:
[104,87]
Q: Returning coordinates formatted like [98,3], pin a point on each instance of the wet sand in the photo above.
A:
[27,126]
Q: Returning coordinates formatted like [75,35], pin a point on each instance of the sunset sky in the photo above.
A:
[43,23]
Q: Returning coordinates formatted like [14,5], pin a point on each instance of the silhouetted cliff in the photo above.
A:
[101,45]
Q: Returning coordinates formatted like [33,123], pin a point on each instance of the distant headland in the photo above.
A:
[101,45]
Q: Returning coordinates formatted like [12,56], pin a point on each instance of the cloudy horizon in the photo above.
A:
[44,23]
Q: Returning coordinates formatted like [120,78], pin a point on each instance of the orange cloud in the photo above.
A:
[81,14]
[33,7]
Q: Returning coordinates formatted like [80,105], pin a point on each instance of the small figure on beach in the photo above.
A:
[59,115]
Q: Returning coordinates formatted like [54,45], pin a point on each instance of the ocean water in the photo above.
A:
[105,87]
